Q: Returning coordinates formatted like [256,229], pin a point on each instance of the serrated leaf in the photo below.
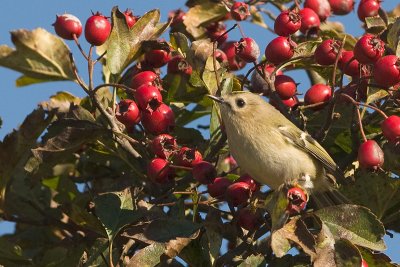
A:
[354,223]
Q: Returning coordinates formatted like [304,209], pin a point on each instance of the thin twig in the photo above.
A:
[79,46]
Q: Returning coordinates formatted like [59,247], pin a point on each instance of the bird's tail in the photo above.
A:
[330,197]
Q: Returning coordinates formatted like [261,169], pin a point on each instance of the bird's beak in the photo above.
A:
[216,98]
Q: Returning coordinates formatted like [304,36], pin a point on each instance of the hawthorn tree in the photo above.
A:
[157,192]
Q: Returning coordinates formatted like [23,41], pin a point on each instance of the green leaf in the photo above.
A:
[375,23]
[354,223]
[11,254]
[393,37]
[99,246]
[254,261]
[346,254]
[179,42]
[39,55]
[375,259]
[188,136]
[148,256]
[163,230]
[181,90]
[65,188]
[276,204]
[61,101]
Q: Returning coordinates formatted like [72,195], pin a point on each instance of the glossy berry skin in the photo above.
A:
[179,65]
[238,193]
[290,103]
[216,30]
[309,20]
[157,58]
[97,29]
[341,7]
[387,71]
[188,157]
[287,23]
[326,52]
[370,155]
[148,97]
[368,8]
[321,7]
[318,93]
[218,187]
[364,263]
[247,49]
[67,25]
[391,128]
[128,113]
[163,146]
[279,50]
[248,219]
[130,18]
[240,11]
[348,67]
[369,49]
[245,178]
[297,200]
[158,170]
[147,77]
[285,86]
[234,61]
[204,172]
[220,56]
[159,121]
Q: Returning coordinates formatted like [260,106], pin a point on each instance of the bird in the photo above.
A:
[274,151]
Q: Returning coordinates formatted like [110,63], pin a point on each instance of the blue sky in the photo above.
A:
[16,103]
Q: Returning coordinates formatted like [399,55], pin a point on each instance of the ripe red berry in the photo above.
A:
[287,23]
[158,170]
[387,71]
[97,29]
[145,78]
[67,25]
[179,65]
[348,64]
[216,30]
[177,16]
[309,21]
[238,193]
[290,103]
[188,157]
[163,146]
[318,93]
[285,86]
[326,52]
[130,18]
[321,7]
[245,178]
[391,128]
[128,113]
[369,49]
[248,219]
[279,50]
[258,83]
[368,8]
[240,11]
[234,62]
[220,56]
[297,200]
[370,155]
[364,263]
[218,187]
[157,58]
[148,97]
[247,49]
[204,172]
[341,7]
[161,120]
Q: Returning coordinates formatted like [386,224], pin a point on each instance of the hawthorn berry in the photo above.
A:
[177,17]
[130,18]
[157,58]
[248,219]
[216,31]
[318,93]
[370,155]
[258,84]
[179,65]
[238,193]
[234,61]
[369,49]
[97,29]
[321,7]
[158,121]
[290,103]
[218,187]
[163,146]
[341,7]
[285,86]
[326,52]
[348,63]
[188,157]
[387,71]
[245,178]
[204,172]
[309,21]
[297,200]
[279,50]
[364,263]
[220,56]
[391,128]
[145,78]
[368,8]
[247,49]
[240,11]
[148,97]
[128,113]
[287,23]
[67,25]
[158,170]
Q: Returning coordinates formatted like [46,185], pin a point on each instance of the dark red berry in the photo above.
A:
[248,219]
[204,172]
[387,71]
[218,187]
[130,18]
[188,157]
[321,7]
[258,84]
[285,86]
[309,21]
[247,49]
[341,7]
[157,58]
[297,200]
[370,155]
[368,8]
[145,78]
[369,49]
[234,62]
[391,128]
[163,146]
[326,52]
[240,11]
[287,23]
[67,25]
[318,93]
[158,170]
[348,64]
[290,103]
[179,65]
[279,50]
[238,193]
[245,178]
[128,113]
[97,29]
[177,17]
[220,56]
[216,30]
[161,120]
[148,97]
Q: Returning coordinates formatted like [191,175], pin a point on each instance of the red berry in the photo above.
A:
[368,8]
[148,97]
[370,155]
[218,187]
[163,145]
[216,30]
[220,56]
[231,162]
[179,65]
[348,64]
[387,71]
[130,18]
[285,86]
[177,16]
[245,178]
[318,93]
[248,219]
[369,49]
[145,78]
[188,157]
[279,50]
[326,52]
[321,7]
[290,103]
[234,62]
[204,172]
[97,29]
[309,20]
[297,200]
[67,25]
[238,193]
[158,170]
[247,49]
[391,128]
[341,7]
[240,11]
[364,263]
[161,120]
[127,112]
[287,23]
[258,84]
[157,58]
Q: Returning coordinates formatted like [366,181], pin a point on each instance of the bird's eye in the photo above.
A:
[240,102]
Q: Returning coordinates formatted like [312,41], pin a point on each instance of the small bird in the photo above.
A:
[273,150]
